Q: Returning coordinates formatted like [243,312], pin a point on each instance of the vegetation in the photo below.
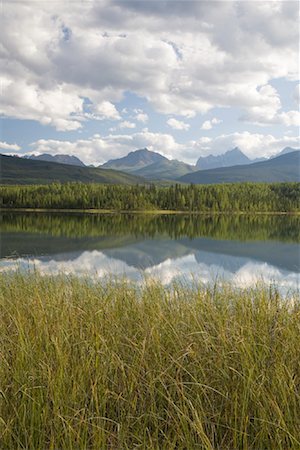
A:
[165,170]
[16,170]
[243,197]
[77,225]
[118,366]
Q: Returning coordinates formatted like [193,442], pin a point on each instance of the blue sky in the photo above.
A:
[184,78]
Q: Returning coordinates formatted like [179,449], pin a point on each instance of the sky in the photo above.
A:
[100,78]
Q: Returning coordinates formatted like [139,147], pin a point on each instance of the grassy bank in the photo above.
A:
[150,212]
[119,367]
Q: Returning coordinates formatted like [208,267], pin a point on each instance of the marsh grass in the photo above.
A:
[116,366]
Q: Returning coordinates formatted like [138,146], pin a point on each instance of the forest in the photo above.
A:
[236,197]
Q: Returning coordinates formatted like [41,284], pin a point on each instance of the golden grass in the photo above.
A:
[116,366]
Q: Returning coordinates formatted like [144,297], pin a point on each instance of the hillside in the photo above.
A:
[165,170]
[14,170]
[283,168]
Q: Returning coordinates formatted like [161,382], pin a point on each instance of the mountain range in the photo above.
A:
[283,168]
[62,159]
[234,157]
[144,165]
[15,170]
[153,166]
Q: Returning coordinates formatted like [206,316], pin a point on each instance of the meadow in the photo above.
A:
[115,365]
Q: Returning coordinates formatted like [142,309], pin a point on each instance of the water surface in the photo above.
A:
[242,249]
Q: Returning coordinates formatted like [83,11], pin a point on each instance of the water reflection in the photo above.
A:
[242,249]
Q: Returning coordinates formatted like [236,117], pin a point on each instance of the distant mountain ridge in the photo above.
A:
[61,159]
[15,170]
[154,166]
[285,151]
[232,157]
[283,168]
[150,165]
[135,160]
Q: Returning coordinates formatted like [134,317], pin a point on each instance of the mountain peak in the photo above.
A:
[136,159]
[283,168]
[287,150]
[232,157]
[235,151]
[140,151]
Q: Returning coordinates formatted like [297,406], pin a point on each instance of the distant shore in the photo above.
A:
[147,211]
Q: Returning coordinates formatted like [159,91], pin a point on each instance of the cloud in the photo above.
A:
[297,95]
[105,110]
[179,57]
[208,124]
[127,124]
[178,124]
[259,117]
[254,145]
[267,111]
[99,149]
[48,106]
[290,118]
[10,147]
[142,117]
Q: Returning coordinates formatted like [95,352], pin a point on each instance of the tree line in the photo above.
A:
[236,197]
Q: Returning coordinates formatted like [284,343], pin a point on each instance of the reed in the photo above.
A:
[113,365]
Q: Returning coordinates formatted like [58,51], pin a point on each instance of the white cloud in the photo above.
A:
[98,149]
[179,57]
[127,124]
[290,118]
[267,111]
[178,124]
[105,110]
[253,145]
[208,124]
[10,147]
[142,117]
[48,106]
[259,117]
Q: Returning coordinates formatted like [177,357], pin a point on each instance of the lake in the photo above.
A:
[237,248]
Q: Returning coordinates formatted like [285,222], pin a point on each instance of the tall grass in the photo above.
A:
[115,366]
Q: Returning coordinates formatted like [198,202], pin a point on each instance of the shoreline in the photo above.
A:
[154,212]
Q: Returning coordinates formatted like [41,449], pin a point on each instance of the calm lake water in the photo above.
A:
[242,249]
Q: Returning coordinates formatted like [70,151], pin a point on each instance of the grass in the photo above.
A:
[116,366]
